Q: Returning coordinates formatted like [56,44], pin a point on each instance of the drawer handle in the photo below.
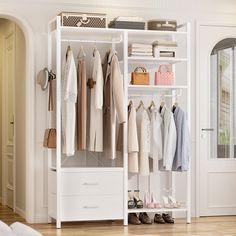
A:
[91,207]
[90,184]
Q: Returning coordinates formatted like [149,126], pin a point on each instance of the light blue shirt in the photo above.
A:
[182,152]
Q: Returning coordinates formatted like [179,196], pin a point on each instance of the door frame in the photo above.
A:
[199,24]
[4,122]
[30,112]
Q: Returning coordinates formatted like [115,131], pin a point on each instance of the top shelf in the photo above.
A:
[99,34]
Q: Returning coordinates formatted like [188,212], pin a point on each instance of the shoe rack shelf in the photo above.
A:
[66,202]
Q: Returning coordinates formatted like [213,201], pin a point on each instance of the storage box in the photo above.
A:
[161,51]
[163,25]
[77,19]
[127,25]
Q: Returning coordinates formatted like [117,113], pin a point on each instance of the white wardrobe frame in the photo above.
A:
[113,36]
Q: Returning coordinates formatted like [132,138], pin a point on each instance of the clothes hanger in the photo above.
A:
[130,105]
[175,105]
[162,103]
[141,104]
[67,50]
[95,49]
[152,104]
[81,51]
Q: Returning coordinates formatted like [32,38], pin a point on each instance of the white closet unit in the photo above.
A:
[85,186]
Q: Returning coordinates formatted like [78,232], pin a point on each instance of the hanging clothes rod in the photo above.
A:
[92,41]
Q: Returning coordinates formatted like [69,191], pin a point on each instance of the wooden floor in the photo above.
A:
[212,226]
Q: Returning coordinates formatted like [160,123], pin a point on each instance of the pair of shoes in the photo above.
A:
[164,218]
[142,219]
[133,219]
[131,204]
[150,201]
[170,202]
[134,200]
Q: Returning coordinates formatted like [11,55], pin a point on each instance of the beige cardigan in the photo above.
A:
[114,103]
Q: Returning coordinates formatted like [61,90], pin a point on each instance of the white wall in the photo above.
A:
[7,26]
[38,13]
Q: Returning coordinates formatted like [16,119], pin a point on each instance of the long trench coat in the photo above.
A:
[114,103]
[96,107]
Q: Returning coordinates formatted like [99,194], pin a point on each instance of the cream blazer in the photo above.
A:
[69,98]
[96,106]
[133,147]
[169,138]
[114,103]
[143,128]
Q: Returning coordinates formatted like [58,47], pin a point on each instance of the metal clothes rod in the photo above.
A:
[91,41]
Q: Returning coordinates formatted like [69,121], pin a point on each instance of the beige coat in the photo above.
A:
[96,106]
[81,105]
[114,103]
[133,146]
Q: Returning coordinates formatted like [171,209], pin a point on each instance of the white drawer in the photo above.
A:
[91,208]
[92,183]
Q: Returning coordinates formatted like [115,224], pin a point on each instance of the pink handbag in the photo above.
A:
[164,75]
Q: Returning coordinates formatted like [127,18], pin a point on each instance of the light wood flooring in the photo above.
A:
[207,226]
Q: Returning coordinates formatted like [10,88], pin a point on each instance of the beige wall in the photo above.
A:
[20,91]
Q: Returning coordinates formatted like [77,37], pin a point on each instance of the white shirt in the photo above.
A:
[143,127]
[69,98]
[169,138]
[156,137]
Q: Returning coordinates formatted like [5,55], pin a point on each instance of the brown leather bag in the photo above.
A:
[50,137]
[140,76]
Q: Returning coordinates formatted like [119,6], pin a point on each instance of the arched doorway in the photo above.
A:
[29,111]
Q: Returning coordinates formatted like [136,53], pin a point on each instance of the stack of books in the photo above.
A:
[164,48]
[140,50]
[127,22]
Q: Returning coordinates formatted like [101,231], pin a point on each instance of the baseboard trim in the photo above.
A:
[41,219]
[20,212]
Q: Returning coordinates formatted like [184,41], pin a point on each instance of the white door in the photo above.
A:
[8,119]
[217,119]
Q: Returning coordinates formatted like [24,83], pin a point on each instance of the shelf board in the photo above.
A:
[136,33]
[153,60]
[70,33]
[155,210]
[153,88]
[89,169]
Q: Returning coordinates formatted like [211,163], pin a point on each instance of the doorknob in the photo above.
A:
[208,129]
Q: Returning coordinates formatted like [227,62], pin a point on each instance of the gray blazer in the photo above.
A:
[182,152]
